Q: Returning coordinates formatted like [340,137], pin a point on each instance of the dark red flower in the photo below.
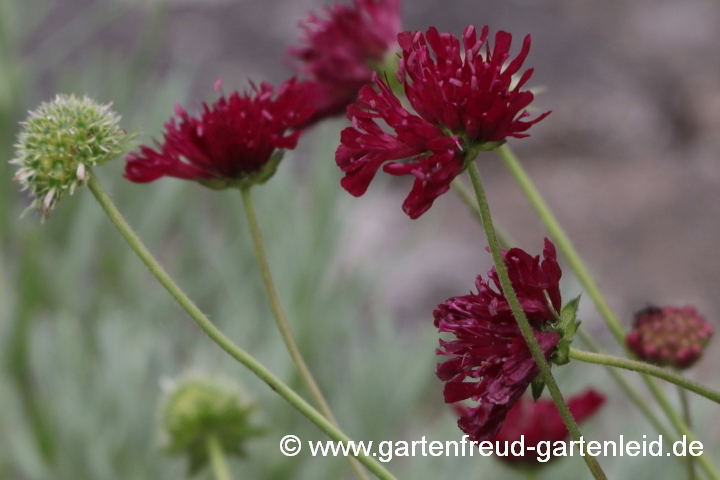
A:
[463,104]
[342,49]
[541,422]
[236,139]
[490,360]
[672,336]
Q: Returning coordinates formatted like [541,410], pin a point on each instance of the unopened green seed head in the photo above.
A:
[199,406]
[60,142]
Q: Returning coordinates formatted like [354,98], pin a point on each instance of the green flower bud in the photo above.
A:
[198,407]
[60,142]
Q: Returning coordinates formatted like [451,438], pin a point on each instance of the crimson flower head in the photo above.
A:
[464,103]
[237,141]
[541,422]
[669,336]
[490,361]
[341,50]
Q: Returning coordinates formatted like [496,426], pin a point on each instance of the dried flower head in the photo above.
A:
[490,361]
[237,141]
[341,50]
[60,142]
[463,104]
[669,336]
[197,407]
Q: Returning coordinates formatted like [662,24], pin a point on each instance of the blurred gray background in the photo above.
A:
[628,160]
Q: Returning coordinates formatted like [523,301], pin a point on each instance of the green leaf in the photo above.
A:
[537,386]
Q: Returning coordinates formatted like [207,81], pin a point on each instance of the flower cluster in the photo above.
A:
[540,421]
[60,142]
[490,361]
[463,104]
[235,142]
[672,336]
[342,49]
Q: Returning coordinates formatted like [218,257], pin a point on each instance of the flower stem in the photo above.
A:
[523,322]
[685,402]
[217,458]
[217,336]
[649,369]
[631,392]
[583,274]
[282,322]
[467,196]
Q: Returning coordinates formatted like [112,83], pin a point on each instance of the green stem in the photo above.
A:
[217,336]
[630,391]
[685,402]
[523,322]
[583,274]
[646,368]
[281,320]
[217,458]
[467,196]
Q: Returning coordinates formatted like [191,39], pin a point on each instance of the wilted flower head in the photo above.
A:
[197,407]
[341,50]
[490,361]
[60,142]
[669,336]
[463,104]
[237,141]
[541,422]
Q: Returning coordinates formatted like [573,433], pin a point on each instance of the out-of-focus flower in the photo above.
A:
[669,336]
[237,141]
[541,422]
[490,361]
[197,407]
[60,142]
[341,49]
[463,104]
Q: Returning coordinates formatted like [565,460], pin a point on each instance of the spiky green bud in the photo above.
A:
[60,142]
[197,407]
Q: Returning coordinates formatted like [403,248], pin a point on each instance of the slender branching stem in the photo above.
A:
[282,323]
[218,337]
[523,322]
[218,462]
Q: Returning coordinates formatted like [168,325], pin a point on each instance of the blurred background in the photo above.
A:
[628,160]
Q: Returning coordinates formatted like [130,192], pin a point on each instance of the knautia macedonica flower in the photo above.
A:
[464,103]
[490,361]
[669,336]
[342,49]
[197,407]
[237,141]
[541,422]
[60,142]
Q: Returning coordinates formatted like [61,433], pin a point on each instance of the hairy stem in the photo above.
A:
[583,274]
[219,465]
[631,392]
[281,320]
[523,322]
[217,336]
[649,369]
[685,402]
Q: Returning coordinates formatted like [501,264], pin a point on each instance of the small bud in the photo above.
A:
[199,406]
[60,141]
[669,336]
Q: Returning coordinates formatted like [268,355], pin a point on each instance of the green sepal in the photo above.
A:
[567,326]
[536,387]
